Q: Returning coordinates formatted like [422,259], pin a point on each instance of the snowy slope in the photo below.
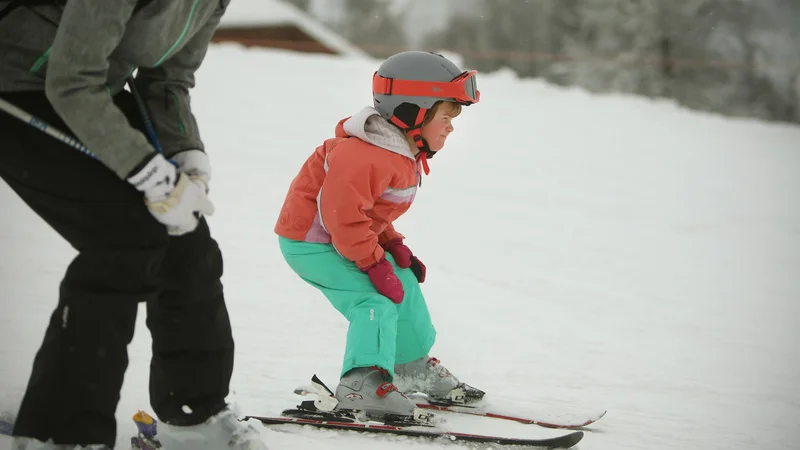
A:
[583,252]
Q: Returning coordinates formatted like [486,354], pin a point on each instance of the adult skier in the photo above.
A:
[134,212]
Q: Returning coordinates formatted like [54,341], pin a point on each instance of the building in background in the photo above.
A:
[276,24]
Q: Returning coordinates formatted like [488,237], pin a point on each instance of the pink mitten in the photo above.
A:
[382,276]
[405,259]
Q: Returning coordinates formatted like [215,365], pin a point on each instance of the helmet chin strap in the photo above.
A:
[415,132]
[425,152]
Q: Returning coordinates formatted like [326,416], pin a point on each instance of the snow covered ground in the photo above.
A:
[584,252]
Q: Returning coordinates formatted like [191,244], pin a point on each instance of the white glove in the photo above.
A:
[194,163]
[173,198]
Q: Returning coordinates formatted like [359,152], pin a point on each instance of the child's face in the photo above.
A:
[436,131]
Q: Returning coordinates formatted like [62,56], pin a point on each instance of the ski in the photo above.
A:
[146,439]
[476,410]
[564,441]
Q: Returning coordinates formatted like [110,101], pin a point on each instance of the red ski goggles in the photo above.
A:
[461,88]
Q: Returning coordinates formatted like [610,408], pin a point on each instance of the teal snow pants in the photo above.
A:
[381,333]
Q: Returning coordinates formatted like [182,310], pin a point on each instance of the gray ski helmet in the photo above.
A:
[421,79]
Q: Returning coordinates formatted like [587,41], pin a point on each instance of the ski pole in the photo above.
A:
[148,124]
[43,126]
[40,124]
[149,129]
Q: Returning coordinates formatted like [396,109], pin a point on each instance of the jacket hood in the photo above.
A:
[369,126]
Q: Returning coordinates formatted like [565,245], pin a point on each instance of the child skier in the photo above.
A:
[335,231]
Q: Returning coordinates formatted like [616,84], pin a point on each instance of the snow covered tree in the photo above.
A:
[709,55]
[370,25]
[491,34]
[796,116]
[609,45]
[599,44]
[736,57]
[302,4]
[774,36]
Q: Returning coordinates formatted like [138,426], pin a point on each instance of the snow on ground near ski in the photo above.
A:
[584,252]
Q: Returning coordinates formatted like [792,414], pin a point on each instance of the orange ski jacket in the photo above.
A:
[351,189]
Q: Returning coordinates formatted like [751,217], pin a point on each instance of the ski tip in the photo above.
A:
[572,439]
[574,426]
[594,419]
